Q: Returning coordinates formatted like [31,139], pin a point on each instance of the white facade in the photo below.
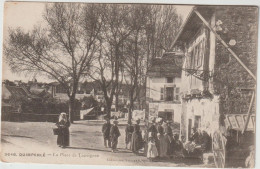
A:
[200,112]
[164,97]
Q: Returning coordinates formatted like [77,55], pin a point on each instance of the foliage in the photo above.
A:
[62,50]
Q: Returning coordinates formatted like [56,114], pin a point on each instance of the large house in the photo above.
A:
[163,87]
[213,82]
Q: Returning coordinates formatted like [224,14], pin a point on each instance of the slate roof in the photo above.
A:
[20,91]
[170,65]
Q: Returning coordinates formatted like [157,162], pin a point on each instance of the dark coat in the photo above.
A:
[205,141]
[64,134]
[195,137]
[160,130]
[106,130]
[153,130]
[168,130]
[128,133]
[136,139]
[114,133]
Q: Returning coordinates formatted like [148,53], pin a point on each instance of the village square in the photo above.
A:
[131,84]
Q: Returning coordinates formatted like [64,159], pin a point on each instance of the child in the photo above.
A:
[152,152]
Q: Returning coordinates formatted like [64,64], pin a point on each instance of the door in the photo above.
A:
[197,122]
[189,128]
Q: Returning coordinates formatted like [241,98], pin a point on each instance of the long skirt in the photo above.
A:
[136,142]
[163,145]
[171,144]
[152,150]
[63,137]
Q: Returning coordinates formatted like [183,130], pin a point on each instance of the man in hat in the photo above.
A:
[106,132]
[128,134]
[114,134]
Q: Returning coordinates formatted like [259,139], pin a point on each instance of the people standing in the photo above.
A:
[152,151]
[191,148]
[163,144]
[136,138]
[153,130]
[128,135]
[63,135]
[114,134]
[169,138]
[106,133]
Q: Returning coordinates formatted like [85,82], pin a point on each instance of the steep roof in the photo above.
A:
[167,66]
[193,23]
[17,91]
[20,91]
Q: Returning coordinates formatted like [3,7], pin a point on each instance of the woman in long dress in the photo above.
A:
[163,141]
[128,134]
[152,151]
[136,138]
[63,124]
[170,140]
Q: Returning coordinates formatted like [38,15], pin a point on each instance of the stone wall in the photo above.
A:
[237,26]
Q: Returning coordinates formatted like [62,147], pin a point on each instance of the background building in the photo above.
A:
[163,87]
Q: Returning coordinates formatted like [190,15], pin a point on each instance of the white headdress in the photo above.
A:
[63,117]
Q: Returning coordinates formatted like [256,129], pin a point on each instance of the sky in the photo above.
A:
[28,14]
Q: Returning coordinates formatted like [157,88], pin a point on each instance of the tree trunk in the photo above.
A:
[108,104]
[131,107]
[117,95]
[71,108]
[117,74]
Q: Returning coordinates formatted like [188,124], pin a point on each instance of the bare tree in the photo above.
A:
[63,49]
[154,27]
[115,30]
[134,53]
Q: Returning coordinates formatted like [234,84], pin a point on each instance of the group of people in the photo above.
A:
[161,142]
[111,134]
[133,138]
[158,140]
[198,143]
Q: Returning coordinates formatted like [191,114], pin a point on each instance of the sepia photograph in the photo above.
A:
[127,84]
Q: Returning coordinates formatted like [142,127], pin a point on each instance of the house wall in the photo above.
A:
[227,76]
[199,112]
[208,112]
[156,83]
[158,106]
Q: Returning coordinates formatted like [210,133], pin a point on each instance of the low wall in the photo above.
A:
[19,117]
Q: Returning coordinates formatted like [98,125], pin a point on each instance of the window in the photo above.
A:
[169,80]
[166,115]
[169,93]
[197,122]
[177,95]
[162,94]
[194,58]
